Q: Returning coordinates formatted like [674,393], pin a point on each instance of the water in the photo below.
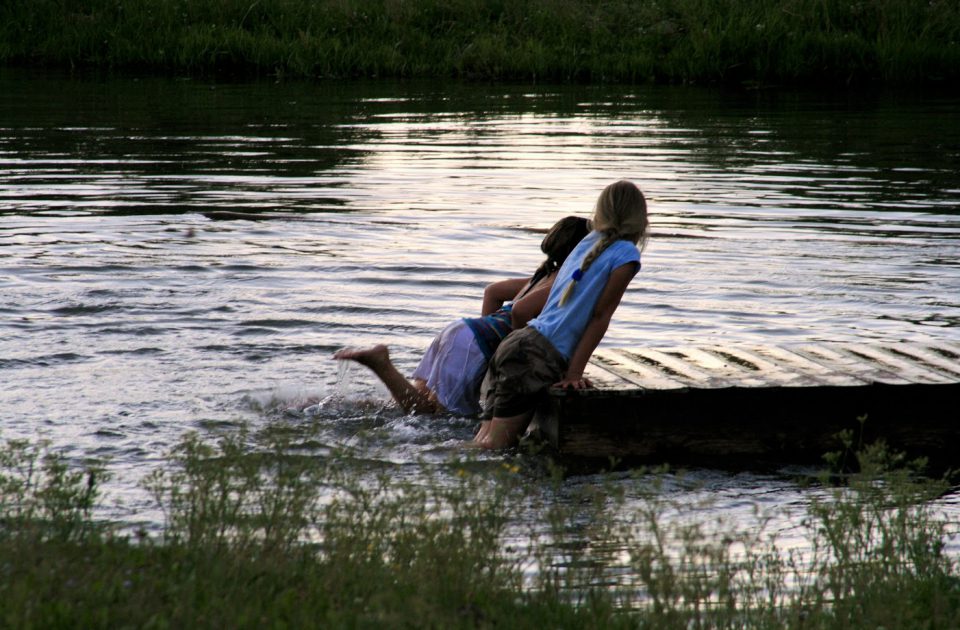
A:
[183,255]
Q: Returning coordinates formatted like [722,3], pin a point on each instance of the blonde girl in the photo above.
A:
[449,374]
[555,346]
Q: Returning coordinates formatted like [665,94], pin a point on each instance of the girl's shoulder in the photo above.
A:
[624,249]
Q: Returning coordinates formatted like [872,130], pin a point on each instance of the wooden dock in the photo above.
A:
[752,407]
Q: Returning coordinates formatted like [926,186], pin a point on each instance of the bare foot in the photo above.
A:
[484,431]
[372,357]
[480,438]
[503,432]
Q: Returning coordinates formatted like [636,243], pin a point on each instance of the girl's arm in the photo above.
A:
[530,305]
[499,292]
[597,326]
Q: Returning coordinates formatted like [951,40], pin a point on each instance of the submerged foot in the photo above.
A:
[371,357]
[501,433]
[483,433]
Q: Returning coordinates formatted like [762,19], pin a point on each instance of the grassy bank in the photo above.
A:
[824,42]
[257,536]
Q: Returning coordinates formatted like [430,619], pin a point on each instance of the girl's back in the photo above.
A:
[563,325]
[554,348]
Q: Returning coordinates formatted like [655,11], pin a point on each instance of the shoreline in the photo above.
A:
[751,44]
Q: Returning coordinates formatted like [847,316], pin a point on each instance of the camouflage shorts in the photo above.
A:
[521,371]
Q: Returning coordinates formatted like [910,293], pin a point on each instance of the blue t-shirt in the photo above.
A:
[564,325]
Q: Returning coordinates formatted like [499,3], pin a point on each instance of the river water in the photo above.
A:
[182,255]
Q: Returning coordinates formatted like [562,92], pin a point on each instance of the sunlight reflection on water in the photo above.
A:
[170,251]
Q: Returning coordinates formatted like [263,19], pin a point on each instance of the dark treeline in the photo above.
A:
[753,42]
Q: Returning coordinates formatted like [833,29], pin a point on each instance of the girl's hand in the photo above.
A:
[574,383]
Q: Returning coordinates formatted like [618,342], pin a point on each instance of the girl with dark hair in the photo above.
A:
[450,372]
[554,348]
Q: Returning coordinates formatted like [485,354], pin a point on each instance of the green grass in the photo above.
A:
[823,42]
[257,534]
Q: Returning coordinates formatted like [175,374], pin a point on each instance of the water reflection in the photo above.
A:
[179,255]
[167,146]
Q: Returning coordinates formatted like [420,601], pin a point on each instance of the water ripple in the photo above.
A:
[187,267]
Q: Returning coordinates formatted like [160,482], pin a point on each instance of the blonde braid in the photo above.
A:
[609,238]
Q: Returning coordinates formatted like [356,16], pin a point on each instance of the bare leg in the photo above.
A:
[503,432]
[412,397]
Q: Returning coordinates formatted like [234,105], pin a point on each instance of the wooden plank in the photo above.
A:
[747,428]
[774,370]
[634,371]
[676,368]
[717,368]
[714,405]
[740,371]
[929,357]
[807,365]
[846,362]
[950,351]
[823,374]
[604,378]
[908,370]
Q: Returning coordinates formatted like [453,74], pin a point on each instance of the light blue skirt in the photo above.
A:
[453,368]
